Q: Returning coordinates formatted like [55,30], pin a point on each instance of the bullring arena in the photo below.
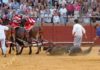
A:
[47,62]
[44,61]
[54,20]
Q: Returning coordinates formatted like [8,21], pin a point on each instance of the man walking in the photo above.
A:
[3,37]
[78,31]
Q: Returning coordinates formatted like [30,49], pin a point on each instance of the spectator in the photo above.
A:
[56,4]
[56,18]
[63,14]
[87,17]
[42,12]
[15,5]
[47,15]
[77,10]
[62,2]
[5,1]
[70,9]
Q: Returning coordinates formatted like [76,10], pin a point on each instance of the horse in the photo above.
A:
[9,33]
[21,38]
[24,38]
[10,38]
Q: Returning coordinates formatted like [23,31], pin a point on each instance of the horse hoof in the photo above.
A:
[30,53]
[17,54]
[37,53]
[4,55]
[9,53]
[99,51]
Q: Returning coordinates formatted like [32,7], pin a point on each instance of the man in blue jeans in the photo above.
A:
[3,37]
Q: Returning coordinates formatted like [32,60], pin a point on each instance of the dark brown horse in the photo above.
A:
[10,38]
[19,37]
[25,38]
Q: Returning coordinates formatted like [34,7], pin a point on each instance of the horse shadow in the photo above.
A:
[69,49]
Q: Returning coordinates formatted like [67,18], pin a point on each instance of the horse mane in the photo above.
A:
[34,31]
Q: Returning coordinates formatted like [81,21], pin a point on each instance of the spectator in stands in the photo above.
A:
[70,9]
[34,13]
[52,10]
[5,1]
[97,13]
[15,5]
[63,14]
[56,18]
[70,1]
[42,12]
[62,2]
[87,17]
[94,5]
[56,4]
[77,10]
[47,15]
[85,7]
[49,3]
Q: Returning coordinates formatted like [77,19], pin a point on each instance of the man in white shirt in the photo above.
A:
[78,31]
[3,37]
[56,18]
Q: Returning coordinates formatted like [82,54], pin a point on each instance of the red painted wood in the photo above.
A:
[64,33]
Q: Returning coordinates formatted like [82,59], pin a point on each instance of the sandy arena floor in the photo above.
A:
[46,62]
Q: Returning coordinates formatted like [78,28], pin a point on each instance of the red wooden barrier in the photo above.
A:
[63,34]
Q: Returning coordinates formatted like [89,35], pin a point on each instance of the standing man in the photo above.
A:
[78,31]
[3,37]
[97,28]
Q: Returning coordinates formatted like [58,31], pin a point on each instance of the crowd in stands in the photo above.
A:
[52,11]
